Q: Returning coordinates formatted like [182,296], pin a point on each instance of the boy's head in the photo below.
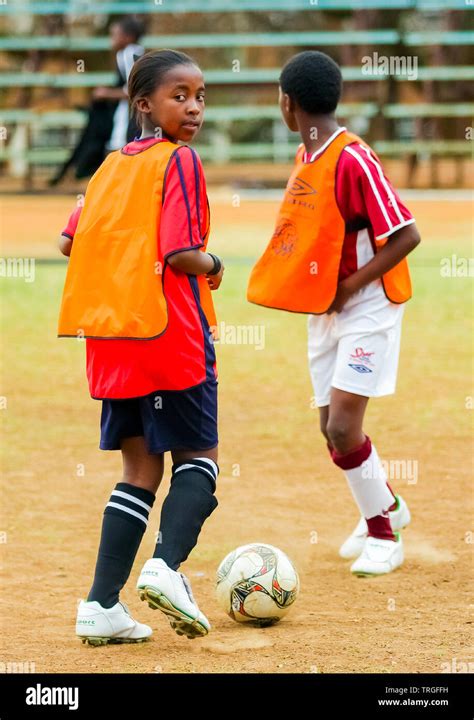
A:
[125,31]
[310,82]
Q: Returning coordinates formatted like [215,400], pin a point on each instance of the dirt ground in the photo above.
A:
[276,485]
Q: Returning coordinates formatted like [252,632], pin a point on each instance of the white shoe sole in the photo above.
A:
[181,623]
[361,574]
[99,641]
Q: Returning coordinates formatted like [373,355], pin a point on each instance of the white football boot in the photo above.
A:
[170,591]
[379,557]
[399,518]
[96,625]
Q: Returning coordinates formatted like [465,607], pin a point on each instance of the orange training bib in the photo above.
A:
[113,286]
[299,269]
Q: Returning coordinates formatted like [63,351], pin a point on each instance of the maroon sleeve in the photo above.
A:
[365,196]
[71,226]
[184,215]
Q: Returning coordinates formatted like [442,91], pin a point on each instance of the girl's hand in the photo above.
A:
[344,292]
[215,280]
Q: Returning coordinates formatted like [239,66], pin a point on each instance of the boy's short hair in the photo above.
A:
[313,80]
[133,27]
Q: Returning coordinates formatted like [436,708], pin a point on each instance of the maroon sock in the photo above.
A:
[380,527]
[353,458]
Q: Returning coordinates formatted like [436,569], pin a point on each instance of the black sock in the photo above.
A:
[189,502]
[125,521]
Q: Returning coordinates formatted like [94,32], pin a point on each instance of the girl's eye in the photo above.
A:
[180,97]
[201,98]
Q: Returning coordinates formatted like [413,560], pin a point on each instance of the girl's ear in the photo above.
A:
[143,105]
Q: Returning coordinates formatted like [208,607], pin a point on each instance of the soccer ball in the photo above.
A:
[256,583]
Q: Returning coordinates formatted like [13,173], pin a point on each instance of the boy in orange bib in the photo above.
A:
[338,253]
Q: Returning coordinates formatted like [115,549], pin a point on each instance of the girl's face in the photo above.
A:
[176,106]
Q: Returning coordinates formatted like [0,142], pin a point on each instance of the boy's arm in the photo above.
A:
[109,93]
[366,198]
[398,245]
[127,58]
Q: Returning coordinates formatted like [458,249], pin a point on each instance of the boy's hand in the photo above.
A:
[344,292]
[398,245]
[215,280]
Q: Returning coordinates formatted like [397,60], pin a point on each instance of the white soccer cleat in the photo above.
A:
[96,625]
[399,518]
[170,591]
[379,557]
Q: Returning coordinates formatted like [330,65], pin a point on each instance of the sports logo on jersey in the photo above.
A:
[362,356]
[301,187]
[360,368]
[363,360]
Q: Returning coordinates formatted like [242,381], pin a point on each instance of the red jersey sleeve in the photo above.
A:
[184,215]
[71,226]
[365,196]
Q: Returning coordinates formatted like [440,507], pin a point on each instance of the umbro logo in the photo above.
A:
[301,187]
[360,368]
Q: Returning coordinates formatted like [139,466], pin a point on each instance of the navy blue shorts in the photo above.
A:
[167,419]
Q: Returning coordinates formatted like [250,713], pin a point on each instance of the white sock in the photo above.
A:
[368,484]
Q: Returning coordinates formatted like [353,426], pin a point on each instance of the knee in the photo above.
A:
[197,468]
[197,477]
[339,434]
[147,481]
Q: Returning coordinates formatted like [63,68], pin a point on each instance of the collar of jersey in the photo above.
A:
[311,157]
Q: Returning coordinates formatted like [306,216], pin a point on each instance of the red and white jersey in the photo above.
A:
[367,201]
[183,356]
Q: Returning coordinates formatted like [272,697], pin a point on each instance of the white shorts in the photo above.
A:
[356,350]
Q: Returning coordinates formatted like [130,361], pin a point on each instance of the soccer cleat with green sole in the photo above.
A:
[170,591]
[96,625]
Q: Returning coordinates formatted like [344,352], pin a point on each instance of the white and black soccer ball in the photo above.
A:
[257,583]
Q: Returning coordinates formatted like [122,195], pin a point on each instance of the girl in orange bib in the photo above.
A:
[138,289]
[338,253]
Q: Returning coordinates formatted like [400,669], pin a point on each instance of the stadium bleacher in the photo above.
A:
[83,7]
[389,111]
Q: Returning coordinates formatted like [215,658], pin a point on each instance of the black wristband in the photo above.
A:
[217,265]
